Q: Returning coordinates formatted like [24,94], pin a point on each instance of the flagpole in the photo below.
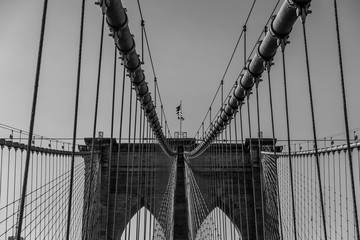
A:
[180,119]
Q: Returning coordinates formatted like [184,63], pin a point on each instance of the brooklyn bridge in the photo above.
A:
[90,148]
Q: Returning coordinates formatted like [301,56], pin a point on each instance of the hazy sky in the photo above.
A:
[191,42]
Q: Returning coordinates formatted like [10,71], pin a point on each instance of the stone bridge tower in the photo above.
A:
[237,183]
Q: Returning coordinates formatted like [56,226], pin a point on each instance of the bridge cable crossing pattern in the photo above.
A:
[232,187]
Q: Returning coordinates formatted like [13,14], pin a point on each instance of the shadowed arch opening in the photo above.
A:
[217,225]
[143,225]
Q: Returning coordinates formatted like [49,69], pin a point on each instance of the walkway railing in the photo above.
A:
[336,189]
[47,196]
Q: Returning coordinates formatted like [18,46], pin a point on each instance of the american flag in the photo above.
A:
[179,112]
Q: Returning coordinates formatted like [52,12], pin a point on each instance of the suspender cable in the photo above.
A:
[220,215]
[75,119]
[346,122]
[152,190]
[283,43]
[222,162]
[42,175]
[219,185]
[139,177]
[95,122]
[127,165]
[229,170]
[215,194]
[132,166]
[37,186]
[111,146]
[232,182]
[155,189]
[32,121]
[304,12]
[118,153]
[257,81]
[146,179]
[238,175]
[7,191]
[212,187]
[278,211]
[1,167]
[252,167]
[224,185]
[212,102]
[243,166]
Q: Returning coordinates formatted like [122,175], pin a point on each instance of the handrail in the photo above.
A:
[331,149]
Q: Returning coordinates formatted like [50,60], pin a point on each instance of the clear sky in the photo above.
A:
[191,42]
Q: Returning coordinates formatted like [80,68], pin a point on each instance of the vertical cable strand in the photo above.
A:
[314,131]
[111,145]
[95,123]
[274,149]
[259,157]
[346,121]
[32,121]
[252,166]
[119,151]
[288,141]
[75,119]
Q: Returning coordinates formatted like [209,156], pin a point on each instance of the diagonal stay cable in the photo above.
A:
[150,55]
[238,41]
[253,49]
